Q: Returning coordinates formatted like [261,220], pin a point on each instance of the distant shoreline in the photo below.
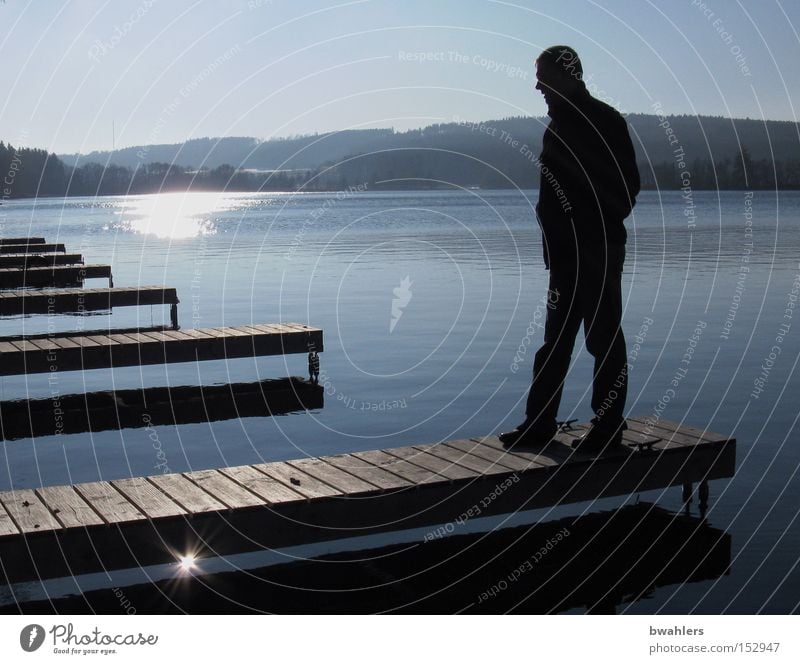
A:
[353,193]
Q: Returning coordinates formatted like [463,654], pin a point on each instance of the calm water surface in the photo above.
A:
[464,272]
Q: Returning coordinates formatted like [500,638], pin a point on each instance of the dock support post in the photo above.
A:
[702,494]
[687,496]
[173,315]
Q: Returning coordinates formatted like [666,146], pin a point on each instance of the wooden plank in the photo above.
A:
[333,476]
[152,501]
[144,347]
[78,300]
[557,452]
[177,335]
[64,343]
[28,511]
[409,471]
[267,488]
[39,259]
[474,463]
[683,429]
[433,463]
[367,471]
[7,525]
[84,342]
[290,476]
[197,333]
[102,340]
[109,503]
[511,461]
[187,494]
[69,508]
[640,432]
[224,489]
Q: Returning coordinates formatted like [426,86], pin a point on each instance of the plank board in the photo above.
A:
[224,489]
[381,478]
[296,479]
[77,300]
[28,511]
[186,493]
[7,526]
[148,498]
[674,427]
[58,275]
[39,259]
[501,457]
[69,508]
[333,476]
[109,503]
[408,471]
[474,463]
[267,488]
[78,352]
[432,463]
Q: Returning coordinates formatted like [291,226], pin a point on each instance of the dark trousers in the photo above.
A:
[584,290]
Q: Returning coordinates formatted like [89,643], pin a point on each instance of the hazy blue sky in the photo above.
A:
[169,70]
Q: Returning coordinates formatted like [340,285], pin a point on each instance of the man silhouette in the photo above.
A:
[589,182]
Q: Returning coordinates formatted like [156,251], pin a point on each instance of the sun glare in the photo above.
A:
[175,215]
[186,562]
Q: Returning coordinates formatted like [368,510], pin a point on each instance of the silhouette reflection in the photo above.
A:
[125,409]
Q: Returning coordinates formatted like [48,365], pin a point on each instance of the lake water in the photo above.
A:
[464,273]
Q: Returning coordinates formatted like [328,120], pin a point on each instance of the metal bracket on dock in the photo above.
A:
[313,366]
[566,425]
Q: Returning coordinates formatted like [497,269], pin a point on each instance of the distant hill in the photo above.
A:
[718,153]
[701,137]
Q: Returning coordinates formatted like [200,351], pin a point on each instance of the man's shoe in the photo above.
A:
[529,434]
[597,440]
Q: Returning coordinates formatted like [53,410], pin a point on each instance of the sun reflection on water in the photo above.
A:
[172,215]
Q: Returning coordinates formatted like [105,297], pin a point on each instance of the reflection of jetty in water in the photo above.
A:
[592,563]
[152,406]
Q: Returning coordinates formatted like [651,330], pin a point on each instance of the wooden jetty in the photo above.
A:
[29,247]
[67,530]
[21,240]
[39,259]
[82,300]
[53,275]
[50,354]
[155,406]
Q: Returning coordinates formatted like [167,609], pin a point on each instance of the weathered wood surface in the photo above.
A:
[79,300]
[39,259]
[81,352]
[57,275]
[150,520]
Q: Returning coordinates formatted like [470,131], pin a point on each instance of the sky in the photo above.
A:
[82,75]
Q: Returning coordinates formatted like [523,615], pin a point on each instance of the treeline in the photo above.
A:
[30,172]
[495,165]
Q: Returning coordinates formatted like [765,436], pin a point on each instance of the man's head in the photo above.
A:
[559,75]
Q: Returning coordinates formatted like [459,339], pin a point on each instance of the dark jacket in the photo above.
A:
[589,180]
